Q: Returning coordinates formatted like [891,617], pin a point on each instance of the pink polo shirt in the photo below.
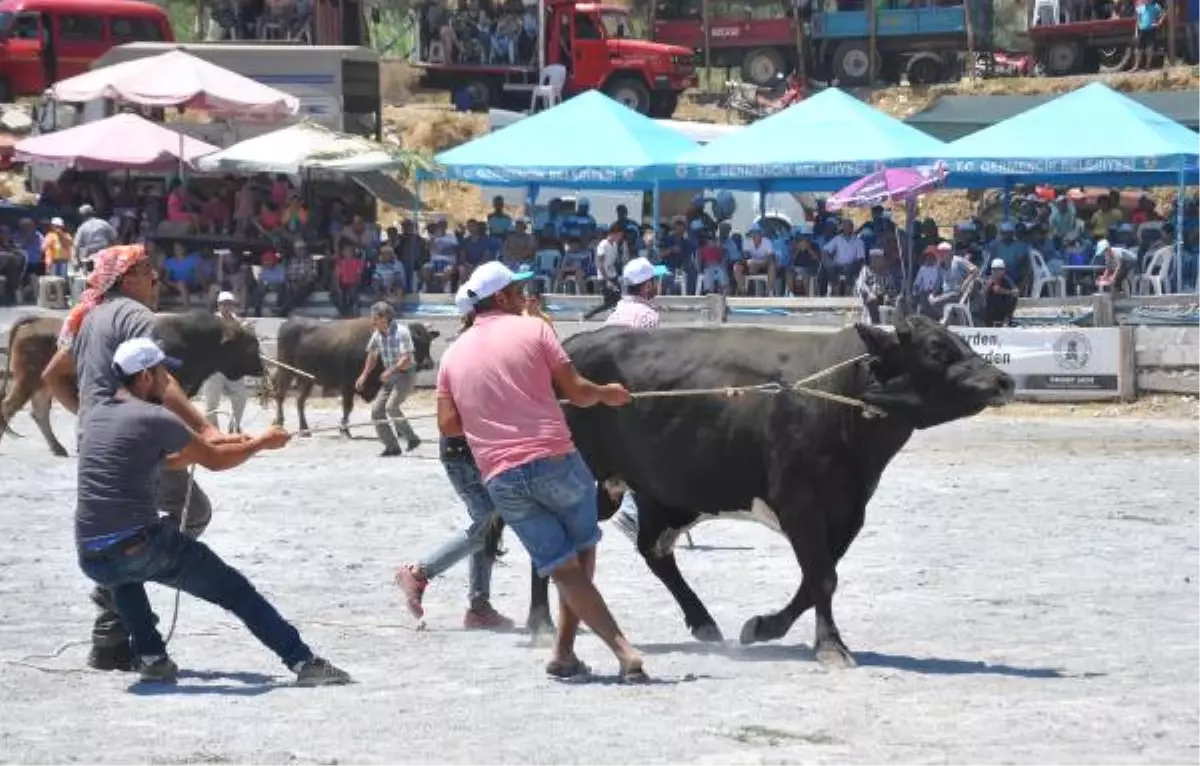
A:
[498,376]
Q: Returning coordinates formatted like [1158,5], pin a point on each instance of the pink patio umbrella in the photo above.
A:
[120,142]
[176,78]
[889,185]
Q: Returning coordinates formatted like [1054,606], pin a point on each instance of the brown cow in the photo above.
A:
[202,341]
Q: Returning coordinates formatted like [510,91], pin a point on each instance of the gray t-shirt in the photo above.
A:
[116,320]
[122,445]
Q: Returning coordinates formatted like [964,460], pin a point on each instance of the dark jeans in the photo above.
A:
[837,278]
[260,296]
[163,554]
[108,633]
[346,301]
[998,310]
[293,295]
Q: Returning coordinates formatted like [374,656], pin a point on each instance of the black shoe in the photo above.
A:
[320,672]
[413,443]
[162,671]
[118,657]
[390,452]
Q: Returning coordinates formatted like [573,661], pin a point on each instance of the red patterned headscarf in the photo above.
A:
[109,265]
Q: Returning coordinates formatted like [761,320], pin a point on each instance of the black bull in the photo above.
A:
[334,353]
[805,466]
[203,342]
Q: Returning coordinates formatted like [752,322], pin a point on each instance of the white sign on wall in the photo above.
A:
[1058,362]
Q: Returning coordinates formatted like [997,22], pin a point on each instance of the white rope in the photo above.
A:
[183,516]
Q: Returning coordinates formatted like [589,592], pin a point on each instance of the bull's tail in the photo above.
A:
[12,337]
[492,538]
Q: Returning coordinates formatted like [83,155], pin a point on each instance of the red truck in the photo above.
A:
[497,61]
[1100,45]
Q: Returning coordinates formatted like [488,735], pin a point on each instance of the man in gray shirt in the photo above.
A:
[93,235]
[122,544]
[116,308]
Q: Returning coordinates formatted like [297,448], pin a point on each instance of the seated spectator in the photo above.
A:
[348,268]
[295,215]
[179,208]
[573,265]
[301,278]
[477,248]
[411,250]
[1015,253]
[388,279]
[519,246]
[233,276]
[1107,215]
[1062,220]
[959,277]
[58,249]
[359,234]
[929,278]
[12,267]
[875,286]
[848,253]
[806,260]
[713,274]
[30,242]
[281,190]
[758,257]
[443,258]
[580,223]
[1000,296]
[180,275]
[678,254]
[499,223]
[272,278]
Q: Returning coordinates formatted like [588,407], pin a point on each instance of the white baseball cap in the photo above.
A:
[226,297]
[641,270]
[139,354]
[1102,247]
[490,278]
[56,221]
[998,263]
[463,302]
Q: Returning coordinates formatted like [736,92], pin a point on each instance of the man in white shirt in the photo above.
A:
[848,254]
[218,385]
[608,259]
[759,257]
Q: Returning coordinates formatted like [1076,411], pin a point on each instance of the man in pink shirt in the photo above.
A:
[634,309]
[496,385]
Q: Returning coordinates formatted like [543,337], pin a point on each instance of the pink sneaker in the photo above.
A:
[412,584]
[482,616]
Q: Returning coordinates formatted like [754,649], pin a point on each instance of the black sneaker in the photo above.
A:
[413,443]
[320,672]
[162,670]
[390,452]
[118,657]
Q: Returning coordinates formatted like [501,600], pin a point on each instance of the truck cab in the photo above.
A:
[596,44]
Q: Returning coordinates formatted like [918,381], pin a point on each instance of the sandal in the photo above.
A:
[572,668]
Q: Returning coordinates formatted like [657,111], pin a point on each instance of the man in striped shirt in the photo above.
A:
[634,309]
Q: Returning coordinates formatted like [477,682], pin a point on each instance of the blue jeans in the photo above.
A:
[464,477]
[551,505]
[162,554]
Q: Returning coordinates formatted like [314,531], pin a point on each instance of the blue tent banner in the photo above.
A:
[1050,167]
[511,175]
[776,170]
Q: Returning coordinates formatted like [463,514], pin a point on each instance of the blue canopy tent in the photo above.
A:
[821,144]
[1093,136]
[589,141]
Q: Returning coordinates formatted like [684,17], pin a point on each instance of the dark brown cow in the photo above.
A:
[334,353]
[202,341]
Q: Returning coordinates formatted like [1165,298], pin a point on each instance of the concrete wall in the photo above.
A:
[1168,359]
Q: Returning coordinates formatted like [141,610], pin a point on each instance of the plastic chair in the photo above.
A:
[549,87]
[1046,7]
[1156,280]
[545,264]
[1042,278]
[758,279]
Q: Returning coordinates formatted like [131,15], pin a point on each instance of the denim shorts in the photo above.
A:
[551,505]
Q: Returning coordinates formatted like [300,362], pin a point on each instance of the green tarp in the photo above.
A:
[952,117]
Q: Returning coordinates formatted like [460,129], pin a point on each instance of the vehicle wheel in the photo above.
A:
[1115,59]
[1063,58]
[762,66]
[481,93]
[926,71]
[852,63]
[662,105]
[629,92]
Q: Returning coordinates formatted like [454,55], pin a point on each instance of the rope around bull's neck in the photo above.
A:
[799,387]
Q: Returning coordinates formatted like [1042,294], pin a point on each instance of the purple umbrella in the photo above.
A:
[889,185]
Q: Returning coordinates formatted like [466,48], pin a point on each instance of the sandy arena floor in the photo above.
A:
[1025,591]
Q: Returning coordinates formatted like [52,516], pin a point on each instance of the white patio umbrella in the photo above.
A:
[305,146]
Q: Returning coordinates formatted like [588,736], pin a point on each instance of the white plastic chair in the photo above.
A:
[758,279]
[1156,280]
[545,264]
[549,88]
[1049,8]
[1042,279]
[962,307]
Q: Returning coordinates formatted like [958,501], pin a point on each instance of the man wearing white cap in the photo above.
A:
[126,439]
[634,309]
[1118,262]
[218,385]
[497,389]
[1000,296]
[58,248]
[461,469]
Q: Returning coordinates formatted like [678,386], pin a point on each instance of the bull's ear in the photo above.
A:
[434,334]
[877,340]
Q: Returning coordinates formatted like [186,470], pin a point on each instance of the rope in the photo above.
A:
[288,367]
[183,515]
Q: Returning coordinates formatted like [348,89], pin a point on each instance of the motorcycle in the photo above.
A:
[752,102]
[991,64]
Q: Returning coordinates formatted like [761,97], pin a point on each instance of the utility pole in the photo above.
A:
[801,59]
[707,47]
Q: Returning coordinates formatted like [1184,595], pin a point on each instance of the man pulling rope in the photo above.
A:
[122,542]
